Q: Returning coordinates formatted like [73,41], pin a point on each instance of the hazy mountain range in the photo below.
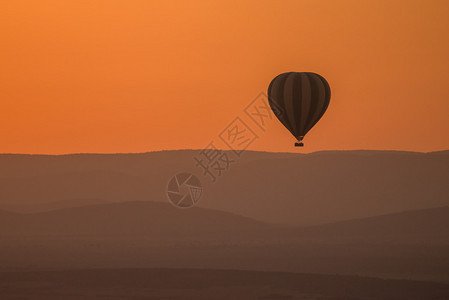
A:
[161,222]
[301,189]
[354,213]
[208,284]
[411,244]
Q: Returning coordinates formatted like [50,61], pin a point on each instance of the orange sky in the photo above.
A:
[136,76]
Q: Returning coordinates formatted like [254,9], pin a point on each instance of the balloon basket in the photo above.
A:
[299,145]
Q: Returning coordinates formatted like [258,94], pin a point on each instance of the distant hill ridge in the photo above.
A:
[161,220]
[297,189]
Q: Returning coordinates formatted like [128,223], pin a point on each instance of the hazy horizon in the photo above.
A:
[224,149]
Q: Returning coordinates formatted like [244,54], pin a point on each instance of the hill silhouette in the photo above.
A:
[162,220]
[208,284]
[411,244]
[154,219]
[301,189]
[421,226]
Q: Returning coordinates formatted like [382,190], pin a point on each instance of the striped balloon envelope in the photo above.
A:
[299,100]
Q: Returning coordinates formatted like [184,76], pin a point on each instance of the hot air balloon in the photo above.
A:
[299,100]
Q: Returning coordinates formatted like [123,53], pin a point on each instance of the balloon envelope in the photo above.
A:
[299,100]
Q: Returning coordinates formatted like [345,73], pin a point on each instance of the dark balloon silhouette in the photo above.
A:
[299,100]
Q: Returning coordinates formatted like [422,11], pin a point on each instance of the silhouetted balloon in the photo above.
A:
[299,100]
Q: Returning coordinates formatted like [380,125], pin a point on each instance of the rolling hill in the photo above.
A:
[161,221]
[299,189]
[152,219]
[411,244]
[208,284]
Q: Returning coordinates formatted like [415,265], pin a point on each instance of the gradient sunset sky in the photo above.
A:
[136,76]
